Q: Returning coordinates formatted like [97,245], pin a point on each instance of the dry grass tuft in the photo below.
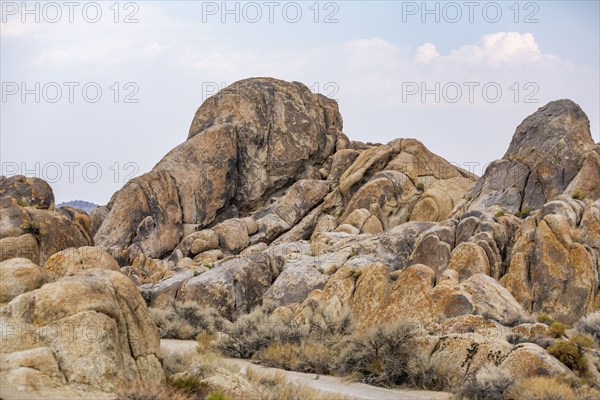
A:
[541,388]
[151,392]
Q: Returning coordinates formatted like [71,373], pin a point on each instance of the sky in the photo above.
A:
[95,93]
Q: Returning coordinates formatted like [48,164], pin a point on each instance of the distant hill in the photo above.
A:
[84,205]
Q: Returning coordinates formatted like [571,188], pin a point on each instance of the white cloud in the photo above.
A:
[501,49]
[426,53]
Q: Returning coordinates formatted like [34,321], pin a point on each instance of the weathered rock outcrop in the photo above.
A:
[235,287]
[375,296]
[26,192]
[18,276]
[547,152]
[90,330]
[245,143]
[551,269]
[70,261]
[30,227]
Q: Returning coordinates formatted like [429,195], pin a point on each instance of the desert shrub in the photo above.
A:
[489,383]
[590,325]
[33,228]
[185,320]
[523,213]
[578,195]
[557,329]
[569,354]
[499,214]
[582,341]
[171,325]
[425,375]
[324,321]
[304,357]
[380,356]
[540,388]
[545,319]
[201,318]
[420,187]
[255,331]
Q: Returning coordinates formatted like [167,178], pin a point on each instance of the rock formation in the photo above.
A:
[30,227]
[268,203]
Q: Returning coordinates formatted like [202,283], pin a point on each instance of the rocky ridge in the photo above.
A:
[269,203]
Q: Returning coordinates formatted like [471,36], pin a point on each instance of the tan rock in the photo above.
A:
[390,195]
[231,162]
[203,241]
[209,257]
[12,221]
[546,153]
[97,217]
[27,192]
[106,340]
[438,201]
[24,246]
[233,235]
[469,259]
[528,359]
[347,228]
[410,295]
[357,218]
[18,276]
[550,272]
[251,225]
[326,223]
[70,261]
[372,225]
[587,178]
[233,287]
[290,209]
[80,218]
[56,232]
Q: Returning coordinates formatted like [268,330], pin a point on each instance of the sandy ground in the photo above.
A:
[328,384]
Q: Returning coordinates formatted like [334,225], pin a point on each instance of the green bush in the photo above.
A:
[578,195]
[545,319]
[218,395]
[569,354]
[188,384]
[420,187]
[557,329]
[33,228]
[500,214]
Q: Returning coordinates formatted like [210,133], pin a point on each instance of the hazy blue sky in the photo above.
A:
[375,58]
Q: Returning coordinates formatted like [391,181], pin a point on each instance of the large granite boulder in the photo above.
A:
[547,152]
[247,142]
[90,330]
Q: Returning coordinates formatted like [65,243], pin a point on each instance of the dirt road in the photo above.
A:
[326,384]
